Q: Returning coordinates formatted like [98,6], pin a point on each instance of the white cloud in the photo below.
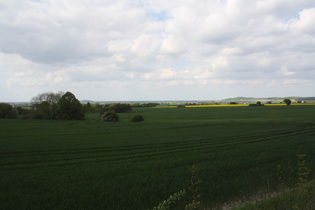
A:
[305,22]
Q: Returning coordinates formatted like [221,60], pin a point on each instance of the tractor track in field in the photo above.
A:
[134,152]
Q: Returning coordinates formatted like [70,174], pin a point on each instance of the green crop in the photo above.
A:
[123,165]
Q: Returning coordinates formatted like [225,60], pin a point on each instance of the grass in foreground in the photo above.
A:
[98,165]
[299,195]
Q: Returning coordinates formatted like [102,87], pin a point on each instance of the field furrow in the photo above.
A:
[132,153]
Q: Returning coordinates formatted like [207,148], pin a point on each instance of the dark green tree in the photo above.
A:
[150,104]
[120,108]
[24,113]
[287,101]
[70,108]
[8,111]
[87,107]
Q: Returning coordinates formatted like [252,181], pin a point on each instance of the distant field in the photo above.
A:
[234,105]
[124,165]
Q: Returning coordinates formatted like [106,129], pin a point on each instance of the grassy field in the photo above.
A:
[123,165]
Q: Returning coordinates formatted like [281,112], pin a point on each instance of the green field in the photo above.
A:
[123,165]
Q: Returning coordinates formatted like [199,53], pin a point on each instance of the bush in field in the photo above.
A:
[110,116]
[137,118]
[8,111]
[120,108]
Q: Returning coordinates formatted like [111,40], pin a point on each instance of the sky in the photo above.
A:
[142,50]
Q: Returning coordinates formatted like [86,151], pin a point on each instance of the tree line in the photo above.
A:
[62,106]
[51,106]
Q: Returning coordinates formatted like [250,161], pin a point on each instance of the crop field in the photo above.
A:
[123,165]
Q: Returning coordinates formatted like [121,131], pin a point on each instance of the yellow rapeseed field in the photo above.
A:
[220,105]
[275,104]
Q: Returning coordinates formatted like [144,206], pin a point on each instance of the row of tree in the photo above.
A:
[65,106]
[62,106]
[7,111]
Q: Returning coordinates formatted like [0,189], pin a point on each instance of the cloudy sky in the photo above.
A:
[157,50]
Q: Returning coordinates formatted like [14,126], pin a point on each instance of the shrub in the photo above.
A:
[110,116]
[193,194]
[36,116]
[24,113]
[137,118]
[26,116]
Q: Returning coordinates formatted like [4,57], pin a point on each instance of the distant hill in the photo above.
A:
[306,99]
[271,99]
[86,101]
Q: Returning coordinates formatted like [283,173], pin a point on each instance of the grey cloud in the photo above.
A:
[59,32]
[156,43]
